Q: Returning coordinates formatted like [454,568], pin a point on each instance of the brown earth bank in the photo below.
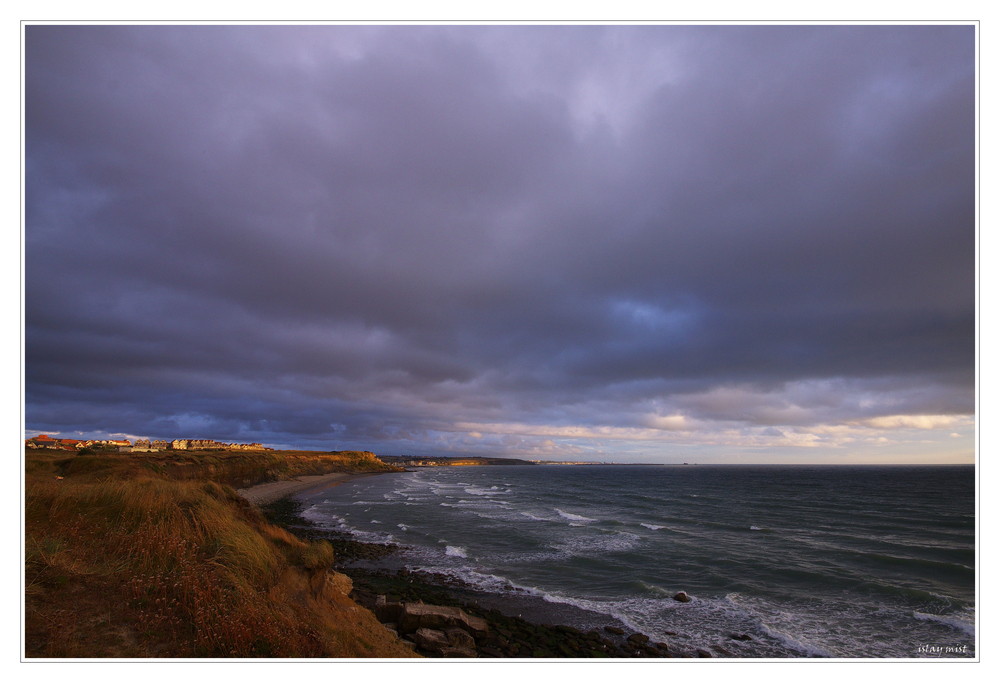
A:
[517,625]
[156,555]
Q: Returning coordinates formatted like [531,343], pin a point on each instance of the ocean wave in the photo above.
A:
[575,518]
[484,581]
[820,586]
[894,560]
[456,551]
[655,589]
[765,618]
[794,643]
[619,541]
[959,624]
[476,491]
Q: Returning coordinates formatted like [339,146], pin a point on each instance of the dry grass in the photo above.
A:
[119,563]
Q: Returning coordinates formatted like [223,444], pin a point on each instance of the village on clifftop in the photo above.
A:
[140,445]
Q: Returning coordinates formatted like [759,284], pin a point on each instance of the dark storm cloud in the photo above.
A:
[338,234]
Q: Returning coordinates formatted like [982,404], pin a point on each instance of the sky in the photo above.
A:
[646,243]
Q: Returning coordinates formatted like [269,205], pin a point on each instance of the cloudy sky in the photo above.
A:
[632,243]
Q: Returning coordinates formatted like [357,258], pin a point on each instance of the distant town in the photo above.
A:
[140,445]
[155,445]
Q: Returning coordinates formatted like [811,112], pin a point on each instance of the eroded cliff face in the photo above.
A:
[348,629]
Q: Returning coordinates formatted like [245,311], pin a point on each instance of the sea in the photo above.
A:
[779,561]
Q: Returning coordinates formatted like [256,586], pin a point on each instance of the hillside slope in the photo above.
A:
[142,556]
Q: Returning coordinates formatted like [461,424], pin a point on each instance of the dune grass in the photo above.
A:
[122,561]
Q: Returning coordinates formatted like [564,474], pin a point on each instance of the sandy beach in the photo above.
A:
[263,494]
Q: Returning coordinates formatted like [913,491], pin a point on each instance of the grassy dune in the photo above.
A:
[138,555]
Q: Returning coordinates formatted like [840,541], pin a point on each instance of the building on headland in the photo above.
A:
[140,445]
[46,441]
[205,444]
[212,445]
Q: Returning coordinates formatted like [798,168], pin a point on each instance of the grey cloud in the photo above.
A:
[395,229]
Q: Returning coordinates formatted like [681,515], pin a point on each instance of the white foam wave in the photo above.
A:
[755,528]
[575,518]
[605,543]
[655,589]
[485,581]
[456,551]
[617,610]
[794,643]
[402,527]
[949,621]
[474,491]
[531,516]
[653,527]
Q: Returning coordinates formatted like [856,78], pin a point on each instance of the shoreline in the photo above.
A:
[273,491]
[522,625]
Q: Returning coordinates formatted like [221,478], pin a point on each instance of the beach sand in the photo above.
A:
[262,494]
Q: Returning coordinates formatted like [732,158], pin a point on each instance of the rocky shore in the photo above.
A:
[440,616]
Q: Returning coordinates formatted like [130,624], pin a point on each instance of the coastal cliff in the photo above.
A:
[158,555]
[146,556]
